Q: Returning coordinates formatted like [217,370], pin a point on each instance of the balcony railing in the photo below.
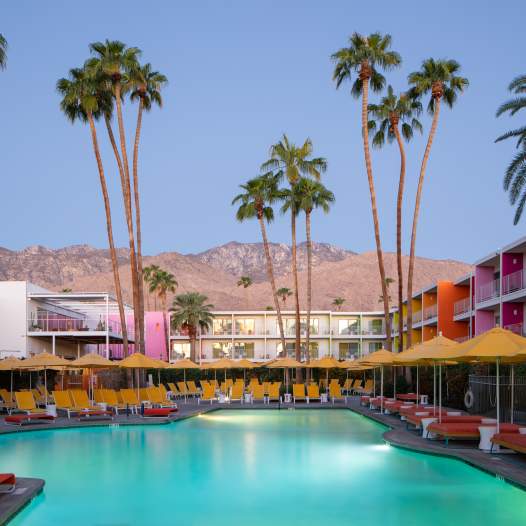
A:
[373,330]
[513,282]
[517,328]
[63,324]
[430,312]
[462,306]
[488,291]
[417,316]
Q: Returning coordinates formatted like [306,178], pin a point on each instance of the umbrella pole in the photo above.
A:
[185,389]
[417,386]
[45,383]
[498,395]
[382,392]
[512,393]
[440,393]
[434,388]
[374,382]
[394,382]
[11,384]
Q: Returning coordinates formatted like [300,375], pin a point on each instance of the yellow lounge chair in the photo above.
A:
[80,399]
[347,385]
[64,402]
[173,389]
[258,393]
[208,394]
[214,384]
[298,393]
[357,384]
[110,398]
[367,389]
[266,385]
[192,388]
[129,397]
[335,393]
[7,401]
[313,393]
[156,398]
[273,392]
[183,389]
[98,395]
[236,393]
[26,403]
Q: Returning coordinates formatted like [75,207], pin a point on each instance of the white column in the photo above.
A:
[53,349]
[108,327]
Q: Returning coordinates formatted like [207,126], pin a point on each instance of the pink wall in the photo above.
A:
[512,313]
[484,321]
[483,275]
[512,262]
[154,335]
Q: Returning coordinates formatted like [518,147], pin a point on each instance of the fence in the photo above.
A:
[485,397]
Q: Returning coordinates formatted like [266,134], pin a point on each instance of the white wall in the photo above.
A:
[13,316]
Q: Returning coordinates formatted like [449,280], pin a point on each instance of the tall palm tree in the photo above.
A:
[338,303]
[114,62]
[311,195]
[245,282]
[81,102]
[3,52]
[161,283]
[515,176]
[295,161]
[259,194]
[284,293]
[387,117]
[190,313]
[145,85]
[364,56]
[147,275]
[440,79]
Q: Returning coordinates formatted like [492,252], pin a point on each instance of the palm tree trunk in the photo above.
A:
[296,294]
[399,204]
[109,228]
[270,273]
[309,288]
[379,253]
[126,191]
[192,335]
[165,327]
[140,285]
[410,272]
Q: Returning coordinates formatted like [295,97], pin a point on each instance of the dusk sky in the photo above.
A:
[240,74]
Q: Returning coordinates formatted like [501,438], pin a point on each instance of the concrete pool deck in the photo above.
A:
[509,467]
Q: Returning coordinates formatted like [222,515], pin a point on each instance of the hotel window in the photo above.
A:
[291,351]
[245,326]
[375,346]
[350,326]
[179,351]
[222,326]
[221,350]
[349,350]
[243,350]
[289,326]
[375,326]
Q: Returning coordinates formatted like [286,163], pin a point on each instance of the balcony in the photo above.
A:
[462,306]
[513,282]
[488,291]
[374,330]
[417,316]
[430,312]
[517,328]
[67,324]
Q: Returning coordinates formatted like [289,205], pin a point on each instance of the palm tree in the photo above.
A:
[392,111]
[190,313]
[294,162]
[147,275]
[244,281]
[81,102]
[114,62]
[259,194]
[162,282]
[284,293]
[338,303]
[388,282]
[311,195]
[440,79]
[3,52]
[145,85]
[364,56]
[515,176]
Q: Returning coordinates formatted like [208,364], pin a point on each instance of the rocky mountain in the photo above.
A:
[336,272]
[248,259]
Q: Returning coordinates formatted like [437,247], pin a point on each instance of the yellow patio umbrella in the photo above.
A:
[92,361]
[183,364]
[223,363]
[328,362]
[494,346]
[380,359]
[44,361]
[138,361]
[285,363]
[10,364]
[245,364]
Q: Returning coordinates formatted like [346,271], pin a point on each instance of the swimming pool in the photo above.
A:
[256,467]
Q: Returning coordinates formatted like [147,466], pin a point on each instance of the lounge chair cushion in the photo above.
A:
[514,441]
[158,411]
[459,429]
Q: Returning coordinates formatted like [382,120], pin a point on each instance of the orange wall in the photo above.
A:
[430,331]
[448,294]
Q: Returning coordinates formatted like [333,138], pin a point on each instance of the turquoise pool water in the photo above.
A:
[250,467]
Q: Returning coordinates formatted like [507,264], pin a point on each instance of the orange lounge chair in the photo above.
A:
[465,431]
[514,441]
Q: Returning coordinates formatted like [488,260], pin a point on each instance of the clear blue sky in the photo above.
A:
[242,73]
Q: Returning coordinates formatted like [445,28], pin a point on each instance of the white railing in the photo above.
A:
[513,282]
[517,328]
[64,324]
[430,312]
[373,330]
[462,306]
[488,291]
[417,316]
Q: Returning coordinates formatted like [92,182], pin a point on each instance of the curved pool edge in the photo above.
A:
[13,503]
